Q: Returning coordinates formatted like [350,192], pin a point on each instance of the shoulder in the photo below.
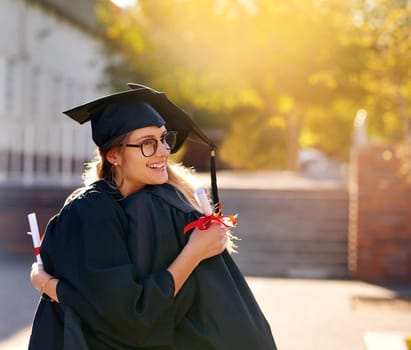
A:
[99,198]
[160,195]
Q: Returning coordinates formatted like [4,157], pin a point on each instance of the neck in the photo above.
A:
[126,190]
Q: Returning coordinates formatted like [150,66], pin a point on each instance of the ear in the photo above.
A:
[113,157]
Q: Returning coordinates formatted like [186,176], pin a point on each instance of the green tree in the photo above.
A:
[275,75]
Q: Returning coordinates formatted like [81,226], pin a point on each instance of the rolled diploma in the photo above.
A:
[202,200]
[35,235]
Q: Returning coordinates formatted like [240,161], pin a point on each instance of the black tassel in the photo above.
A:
[213,174]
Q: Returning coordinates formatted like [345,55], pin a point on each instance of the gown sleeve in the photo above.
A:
[156,217]
[86,247]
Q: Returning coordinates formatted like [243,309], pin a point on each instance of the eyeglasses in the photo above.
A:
[149,147]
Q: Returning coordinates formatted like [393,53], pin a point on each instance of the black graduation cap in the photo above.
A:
[116,114]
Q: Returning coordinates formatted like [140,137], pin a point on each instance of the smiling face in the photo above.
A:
[132,169]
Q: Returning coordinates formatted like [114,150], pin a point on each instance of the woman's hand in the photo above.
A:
[208,243]
[43,282]
[201,245]
[38,276]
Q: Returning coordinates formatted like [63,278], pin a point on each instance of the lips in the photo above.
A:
[158,165]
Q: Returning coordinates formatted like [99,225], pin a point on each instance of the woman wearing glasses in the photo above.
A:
[121,274]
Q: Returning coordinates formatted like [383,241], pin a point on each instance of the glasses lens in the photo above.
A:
[149,147]
[170,139]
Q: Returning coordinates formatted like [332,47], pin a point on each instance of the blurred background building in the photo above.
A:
[50,59]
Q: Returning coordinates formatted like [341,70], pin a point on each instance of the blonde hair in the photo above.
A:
[182,179]
[99,168]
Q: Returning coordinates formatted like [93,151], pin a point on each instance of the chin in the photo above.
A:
[159,180]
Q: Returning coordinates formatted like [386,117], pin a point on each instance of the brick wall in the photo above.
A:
[380,216]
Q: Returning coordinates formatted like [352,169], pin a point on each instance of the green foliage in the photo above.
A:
[275,75]
[255,142]
[384,29]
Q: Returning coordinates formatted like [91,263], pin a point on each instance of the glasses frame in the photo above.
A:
[155,148]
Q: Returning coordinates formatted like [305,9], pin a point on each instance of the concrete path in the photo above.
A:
[304,314]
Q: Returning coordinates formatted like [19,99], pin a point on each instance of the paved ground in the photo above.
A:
[304,314]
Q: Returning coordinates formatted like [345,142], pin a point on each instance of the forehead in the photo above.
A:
[147,131]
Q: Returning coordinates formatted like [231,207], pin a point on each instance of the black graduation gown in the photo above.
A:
[115,292]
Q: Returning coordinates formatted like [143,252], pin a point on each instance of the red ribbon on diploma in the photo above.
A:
[36,251]
[204,222]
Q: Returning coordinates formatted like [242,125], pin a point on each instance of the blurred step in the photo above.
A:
[292,233]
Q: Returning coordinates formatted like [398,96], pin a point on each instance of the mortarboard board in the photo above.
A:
[116,114]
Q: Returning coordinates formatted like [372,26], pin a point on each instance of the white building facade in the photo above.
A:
[48,63]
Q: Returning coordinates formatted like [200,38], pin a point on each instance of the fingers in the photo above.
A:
[222,235]
[37,270]
[37,267]
[224,241]
[209,242]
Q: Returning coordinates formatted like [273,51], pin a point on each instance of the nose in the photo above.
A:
[162,149]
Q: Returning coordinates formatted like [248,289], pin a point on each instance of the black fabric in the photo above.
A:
[116,292]
[73,333]
[115,119]
[224,313]
[176,118]
[48,315]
